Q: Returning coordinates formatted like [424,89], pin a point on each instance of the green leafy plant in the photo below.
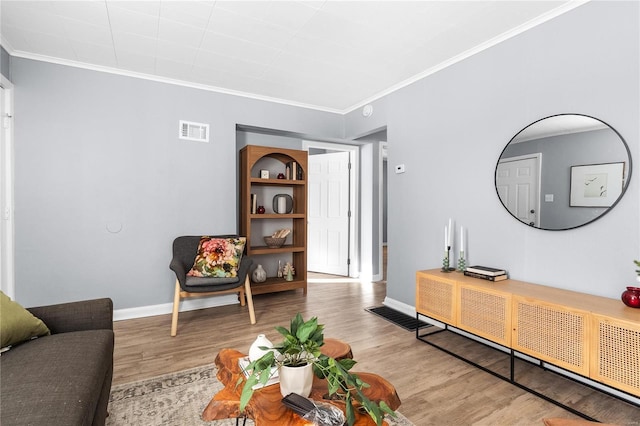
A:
[347,386]
[637,262]
[301,346]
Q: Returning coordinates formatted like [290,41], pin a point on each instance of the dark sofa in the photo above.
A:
[64,378]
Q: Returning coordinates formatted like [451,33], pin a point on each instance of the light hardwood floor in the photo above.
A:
[435,388]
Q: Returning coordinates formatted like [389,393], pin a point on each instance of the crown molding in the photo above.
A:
[572,4]
[467,54]
[160,79]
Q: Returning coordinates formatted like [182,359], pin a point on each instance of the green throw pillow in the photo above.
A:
[17,324]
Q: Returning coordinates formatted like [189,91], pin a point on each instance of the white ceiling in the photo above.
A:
[330,55]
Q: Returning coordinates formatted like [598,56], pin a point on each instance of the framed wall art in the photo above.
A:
[596,185]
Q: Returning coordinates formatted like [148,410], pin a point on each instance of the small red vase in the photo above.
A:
[631,297]
[261,210]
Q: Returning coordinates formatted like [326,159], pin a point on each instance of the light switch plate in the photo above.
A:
[400,168]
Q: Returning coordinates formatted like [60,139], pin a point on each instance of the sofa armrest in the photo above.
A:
[93,314]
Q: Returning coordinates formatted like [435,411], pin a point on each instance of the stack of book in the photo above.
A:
[293,171]
[274,378]
[486,273]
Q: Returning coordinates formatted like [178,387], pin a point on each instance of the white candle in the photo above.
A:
[446,237]
[451,231]
[282,205]
[461,238]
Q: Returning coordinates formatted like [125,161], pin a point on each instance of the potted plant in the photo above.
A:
[637,262]
[301,349]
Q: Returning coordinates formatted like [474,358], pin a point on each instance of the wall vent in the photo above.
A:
[191,131]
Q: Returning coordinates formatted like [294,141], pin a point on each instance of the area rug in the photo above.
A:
[175,399]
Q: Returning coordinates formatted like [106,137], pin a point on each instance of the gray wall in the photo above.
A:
[97,152]
[559,153]
[5,62]
[450,128]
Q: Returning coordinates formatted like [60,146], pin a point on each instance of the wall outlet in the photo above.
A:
[400,168]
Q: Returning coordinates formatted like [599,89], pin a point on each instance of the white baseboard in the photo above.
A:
[167,308]
[399,306]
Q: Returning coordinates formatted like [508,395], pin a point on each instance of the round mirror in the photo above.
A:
[563,171]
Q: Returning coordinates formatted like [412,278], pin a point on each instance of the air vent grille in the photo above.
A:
[194,131]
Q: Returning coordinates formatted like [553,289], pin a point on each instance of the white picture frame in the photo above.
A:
[264,174]
[596,185]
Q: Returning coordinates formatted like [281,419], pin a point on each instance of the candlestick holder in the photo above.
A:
[462,263]
[445,261]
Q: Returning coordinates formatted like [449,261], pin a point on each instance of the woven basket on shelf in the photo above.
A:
[272,242]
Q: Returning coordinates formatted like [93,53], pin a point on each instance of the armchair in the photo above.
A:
[185,249]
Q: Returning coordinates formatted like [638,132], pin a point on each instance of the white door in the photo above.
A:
[518,185]
[328,215]
[6,197]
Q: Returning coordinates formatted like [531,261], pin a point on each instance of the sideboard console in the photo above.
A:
[594,337]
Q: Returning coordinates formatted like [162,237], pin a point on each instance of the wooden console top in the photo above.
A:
[576,300]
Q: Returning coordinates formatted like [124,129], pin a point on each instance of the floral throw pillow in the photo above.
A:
[218,257]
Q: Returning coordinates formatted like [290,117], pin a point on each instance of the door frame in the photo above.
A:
[7,223]
[354,194]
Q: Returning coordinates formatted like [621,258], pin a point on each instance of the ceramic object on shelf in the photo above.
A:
[254,350]
[631,297]
[282,204]
[261,210]
[259,275]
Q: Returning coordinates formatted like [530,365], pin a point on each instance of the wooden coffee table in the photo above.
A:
[266,408]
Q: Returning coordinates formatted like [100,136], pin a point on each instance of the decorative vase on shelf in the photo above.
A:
[289,276]
[261,210]
[259,275]
[631,297]
[254,350]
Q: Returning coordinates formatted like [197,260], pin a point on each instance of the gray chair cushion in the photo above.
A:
[199,281]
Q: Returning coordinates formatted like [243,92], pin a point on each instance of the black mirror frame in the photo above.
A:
[624,189]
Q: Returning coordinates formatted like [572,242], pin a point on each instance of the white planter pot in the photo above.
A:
[296,380]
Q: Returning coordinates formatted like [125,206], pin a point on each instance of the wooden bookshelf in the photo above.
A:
[255,226]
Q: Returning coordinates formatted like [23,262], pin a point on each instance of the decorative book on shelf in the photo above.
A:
[486,277]
[293,171]
[254,204]
[485,270]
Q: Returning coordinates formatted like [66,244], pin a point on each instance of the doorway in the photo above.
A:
[333,194]
[328,213]
[7,278]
